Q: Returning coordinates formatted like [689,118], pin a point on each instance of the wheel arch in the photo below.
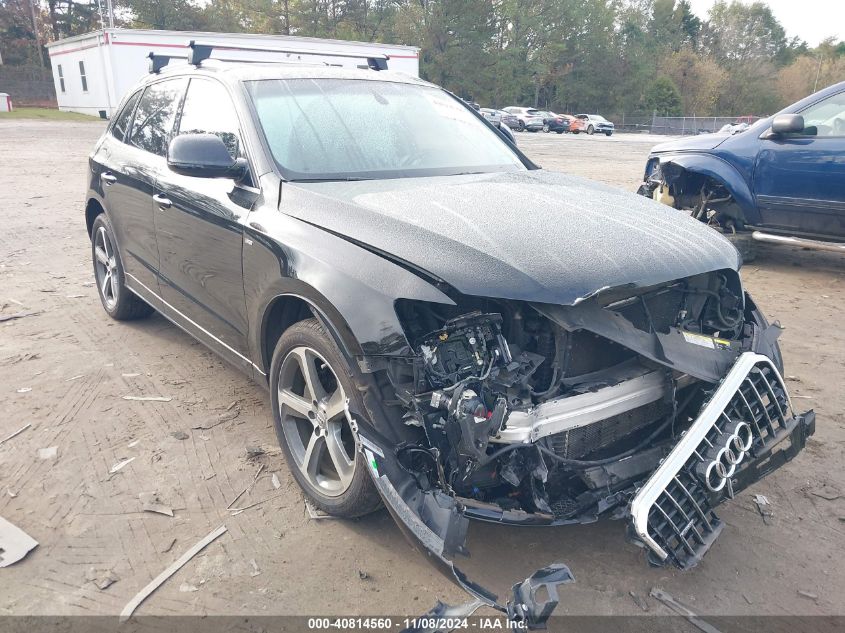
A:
[718,170]
[93,208]
[286,309]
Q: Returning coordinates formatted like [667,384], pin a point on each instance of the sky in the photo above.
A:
[811,20]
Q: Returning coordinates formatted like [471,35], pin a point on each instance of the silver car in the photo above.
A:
[494,116]
[529,119]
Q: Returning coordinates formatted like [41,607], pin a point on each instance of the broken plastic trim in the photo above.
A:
[522,610]
[436,522]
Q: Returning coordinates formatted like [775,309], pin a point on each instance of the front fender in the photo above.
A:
[720,170]
[352,289]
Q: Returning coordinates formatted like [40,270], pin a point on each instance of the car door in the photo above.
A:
[198,225]
[127,161]
[799,179]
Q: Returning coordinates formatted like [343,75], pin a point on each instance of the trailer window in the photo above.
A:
[61,78]
[82,76]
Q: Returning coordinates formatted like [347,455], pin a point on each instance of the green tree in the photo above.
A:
[18,43]
[664,98]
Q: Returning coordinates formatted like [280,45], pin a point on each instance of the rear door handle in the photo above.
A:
[162,201]
[108,178]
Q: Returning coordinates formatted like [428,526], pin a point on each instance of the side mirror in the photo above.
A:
[203,156]
[788,124]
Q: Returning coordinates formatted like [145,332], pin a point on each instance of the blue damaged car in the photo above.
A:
[780,180]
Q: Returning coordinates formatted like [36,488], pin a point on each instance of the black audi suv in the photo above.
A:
[443,327]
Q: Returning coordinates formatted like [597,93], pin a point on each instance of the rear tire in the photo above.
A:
[118,301]
[521,126]
[309,382]
[546,128]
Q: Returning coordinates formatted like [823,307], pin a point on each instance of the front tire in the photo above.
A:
[608,133]
[591,130]
[546,128]
[521,126]
[310,381]
[118,301]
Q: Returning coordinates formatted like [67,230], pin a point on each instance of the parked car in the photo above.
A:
[780,180]
[509,119]
[494,116]
[529,119]
[592,123]
[443,327]
[555,122]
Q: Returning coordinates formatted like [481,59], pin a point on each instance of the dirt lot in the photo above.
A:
[65,371]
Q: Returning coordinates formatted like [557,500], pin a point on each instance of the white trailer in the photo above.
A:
[92,72]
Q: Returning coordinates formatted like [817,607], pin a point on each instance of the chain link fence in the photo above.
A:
[28,85]
[676,125]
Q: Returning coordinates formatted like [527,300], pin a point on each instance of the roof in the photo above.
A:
[189,35]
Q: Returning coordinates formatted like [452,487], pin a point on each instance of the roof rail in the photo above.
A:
[200,51]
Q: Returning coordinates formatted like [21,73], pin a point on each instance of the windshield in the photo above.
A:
[597,117]
[348,129]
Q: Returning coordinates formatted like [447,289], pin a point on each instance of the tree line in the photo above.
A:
[608,56]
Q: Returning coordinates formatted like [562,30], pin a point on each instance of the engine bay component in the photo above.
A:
[464,348]
[540,414]
[634,387]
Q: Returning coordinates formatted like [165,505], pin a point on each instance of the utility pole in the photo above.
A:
[818,72]
[110,10]
[37,34]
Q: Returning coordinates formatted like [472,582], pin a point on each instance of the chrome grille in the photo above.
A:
[673,512]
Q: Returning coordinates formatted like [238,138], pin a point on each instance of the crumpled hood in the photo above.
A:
[692,143]
[533,235]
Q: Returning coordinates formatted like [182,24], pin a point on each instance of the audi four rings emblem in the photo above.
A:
[726,455]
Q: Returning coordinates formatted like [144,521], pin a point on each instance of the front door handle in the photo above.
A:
[162,201]
[108,178]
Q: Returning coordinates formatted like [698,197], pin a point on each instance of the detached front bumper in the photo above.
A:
[746,430]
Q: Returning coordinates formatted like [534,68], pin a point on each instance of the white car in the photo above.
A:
[494,116]
[529,119]
[592,123]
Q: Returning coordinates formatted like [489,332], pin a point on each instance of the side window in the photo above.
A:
[83,77]
[61,78]
[826,118]
[155,115]
[123,120]
[208,109]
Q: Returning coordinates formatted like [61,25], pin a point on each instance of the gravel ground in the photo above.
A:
[65,371]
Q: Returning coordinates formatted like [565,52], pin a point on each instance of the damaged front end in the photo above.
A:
[649,404]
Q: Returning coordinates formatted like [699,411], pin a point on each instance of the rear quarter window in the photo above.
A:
[123,120]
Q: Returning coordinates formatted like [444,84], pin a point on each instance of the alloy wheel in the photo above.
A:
[316,428]
[105,268]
